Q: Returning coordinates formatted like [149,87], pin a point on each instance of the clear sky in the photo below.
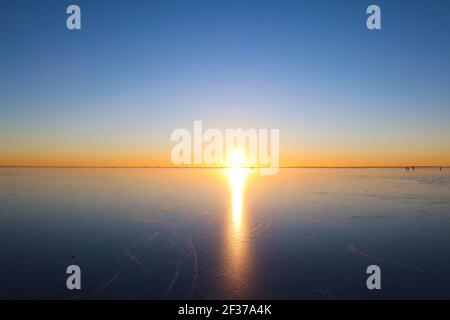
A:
[111,93]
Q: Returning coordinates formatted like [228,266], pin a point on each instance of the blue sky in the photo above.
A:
[139,69]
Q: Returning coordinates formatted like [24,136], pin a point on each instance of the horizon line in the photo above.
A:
[219,167]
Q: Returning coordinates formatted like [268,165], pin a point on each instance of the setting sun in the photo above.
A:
[236,159]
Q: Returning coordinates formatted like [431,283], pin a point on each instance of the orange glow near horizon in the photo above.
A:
[289,156]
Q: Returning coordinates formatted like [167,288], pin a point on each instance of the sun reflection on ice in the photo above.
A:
[236,263]
[237,175]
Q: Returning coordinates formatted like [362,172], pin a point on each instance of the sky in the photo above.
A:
[111,93]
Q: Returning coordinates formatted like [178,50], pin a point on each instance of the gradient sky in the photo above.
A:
[111,93]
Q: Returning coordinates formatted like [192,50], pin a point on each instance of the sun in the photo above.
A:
[236,159]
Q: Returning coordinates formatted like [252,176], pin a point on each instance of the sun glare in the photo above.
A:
[236,159]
